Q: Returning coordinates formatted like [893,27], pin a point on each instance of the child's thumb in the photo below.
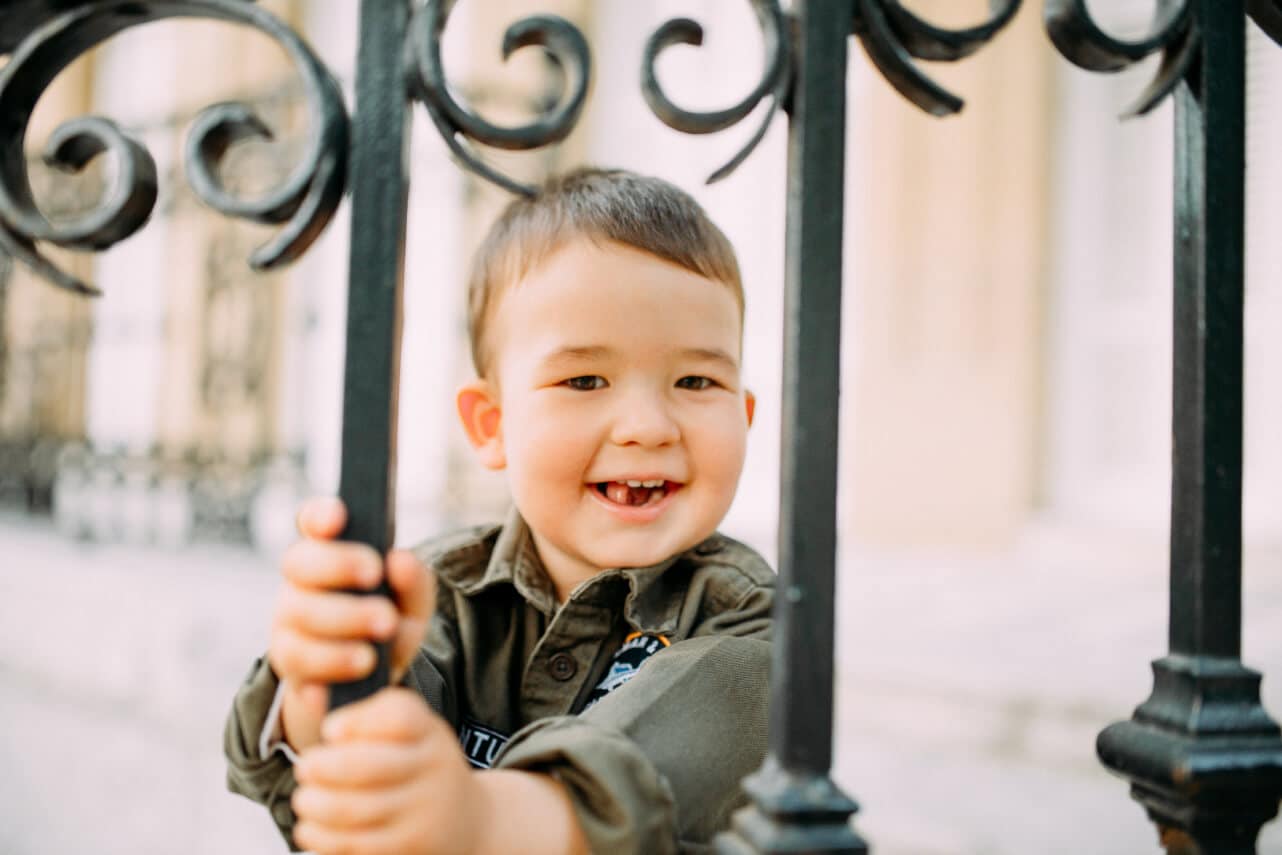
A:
[414,587]
[413,584]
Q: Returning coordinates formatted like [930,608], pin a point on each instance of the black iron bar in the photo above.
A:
[1206,497]
[795,806]
[1203,756]
[380,194]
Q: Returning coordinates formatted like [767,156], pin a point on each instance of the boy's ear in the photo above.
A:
[750,404]
[478,410]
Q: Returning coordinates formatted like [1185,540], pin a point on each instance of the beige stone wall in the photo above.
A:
[947,254]
[224,325]
[46,330]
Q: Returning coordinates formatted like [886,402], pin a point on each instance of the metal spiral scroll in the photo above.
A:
[304,202]
[775,81]
[894,36]
[1084,44]
[564,44]
[1268,16]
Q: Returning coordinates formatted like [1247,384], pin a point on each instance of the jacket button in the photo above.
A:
[562,666]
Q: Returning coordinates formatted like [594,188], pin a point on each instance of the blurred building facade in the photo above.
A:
[1007,366]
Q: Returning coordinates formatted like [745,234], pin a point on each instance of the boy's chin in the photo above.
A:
[639,552]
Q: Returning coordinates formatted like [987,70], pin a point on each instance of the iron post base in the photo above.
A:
[792,812]
[1203,757]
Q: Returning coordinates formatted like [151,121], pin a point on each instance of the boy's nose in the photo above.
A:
[644,420]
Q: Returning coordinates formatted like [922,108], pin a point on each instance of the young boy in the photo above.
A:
[590,675]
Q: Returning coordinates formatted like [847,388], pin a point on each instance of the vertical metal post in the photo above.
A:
[1202,754]
[795,805]
[379,178]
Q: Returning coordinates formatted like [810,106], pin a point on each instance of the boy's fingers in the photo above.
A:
[335,616]
[328,565]
[322,518]
[389,715]
[383,839]
[302,659]
[414,584]
[312,697]
[345,808]
[364,765]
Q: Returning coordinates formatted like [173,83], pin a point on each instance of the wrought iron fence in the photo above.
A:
[1203,757]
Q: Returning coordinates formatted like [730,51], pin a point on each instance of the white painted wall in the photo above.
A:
[125,362]
[1110,315]
[1262,487]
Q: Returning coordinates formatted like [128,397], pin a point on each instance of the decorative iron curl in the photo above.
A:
[304,202]
[893,36]
[1268,17]
[564,43]
[775,80]
[1083,43]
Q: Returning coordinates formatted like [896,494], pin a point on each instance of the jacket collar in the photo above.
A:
[650,603]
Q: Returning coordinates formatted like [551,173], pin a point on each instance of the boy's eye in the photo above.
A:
[696,383]
[586,383]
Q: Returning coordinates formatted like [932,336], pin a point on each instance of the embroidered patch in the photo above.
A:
[480,743]
[636,649]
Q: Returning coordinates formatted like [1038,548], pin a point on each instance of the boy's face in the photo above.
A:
[613,366]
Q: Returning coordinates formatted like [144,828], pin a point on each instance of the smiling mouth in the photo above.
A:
[635,494]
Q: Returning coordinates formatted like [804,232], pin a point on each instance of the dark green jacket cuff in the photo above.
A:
[269,782]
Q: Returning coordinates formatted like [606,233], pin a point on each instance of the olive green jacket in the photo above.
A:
[645,693]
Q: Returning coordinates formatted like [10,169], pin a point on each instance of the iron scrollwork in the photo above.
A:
[893,37]
[1084,43]
[303,203]
[568,49]
[1268,17]
[565,45]
[775,80]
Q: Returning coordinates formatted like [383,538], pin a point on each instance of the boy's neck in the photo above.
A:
[566,572]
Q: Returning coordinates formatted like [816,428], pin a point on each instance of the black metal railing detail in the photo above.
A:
[380,172]
[794,806]
[1267,15]
[893,37]
[1081,40]
[303,204]
[565,46]
[1203,757]
[775,82]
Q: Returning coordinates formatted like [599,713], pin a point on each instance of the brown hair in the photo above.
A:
[645,213]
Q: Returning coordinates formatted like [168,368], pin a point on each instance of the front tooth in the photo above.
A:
[652,483]
[634,483]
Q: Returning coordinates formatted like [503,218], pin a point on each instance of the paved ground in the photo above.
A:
[969,695]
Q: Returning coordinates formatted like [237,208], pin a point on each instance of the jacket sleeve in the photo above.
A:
[270,781]
[655,766]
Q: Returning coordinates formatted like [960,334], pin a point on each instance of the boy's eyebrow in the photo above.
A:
[571,353]
[711,354]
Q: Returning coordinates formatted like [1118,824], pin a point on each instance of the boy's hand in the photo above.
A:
[320,634]
[390,779]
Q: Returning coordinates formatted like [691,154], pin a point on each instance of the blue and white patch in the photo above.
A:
[637,648]
[481,744]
